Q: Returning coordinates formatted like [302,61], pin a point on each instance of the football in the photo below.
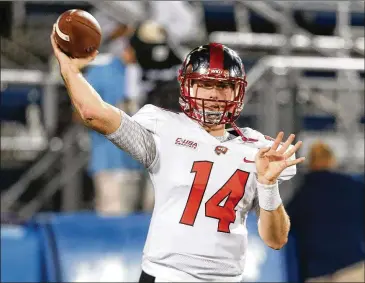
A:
[77,33]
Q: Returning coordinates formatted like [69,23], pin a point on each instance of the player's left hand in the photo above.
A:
[271,161]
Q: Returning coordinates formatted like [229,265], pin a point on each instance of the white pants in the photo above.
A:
[117,191]
[352,273]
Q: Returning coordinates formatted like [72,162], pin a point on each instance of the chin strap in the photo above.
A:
[239,132]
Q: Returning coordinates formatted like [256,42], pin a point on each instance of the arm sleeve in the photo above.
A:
[139,135]
[136,140]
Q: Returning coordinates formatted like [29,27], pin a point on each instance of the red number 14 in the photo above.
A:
[233,191]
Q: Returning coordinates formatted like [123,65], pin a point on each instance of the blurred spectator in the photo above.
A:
[117,176]
[159,65]
[328,221]
[156,31]
[156,42]
[180,19]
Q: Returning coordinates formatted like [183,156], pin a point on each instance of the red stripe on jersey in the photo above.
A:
[216,56]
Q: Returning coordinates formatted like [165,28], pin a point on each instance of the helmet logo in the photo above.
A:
[216,71]
[219,72]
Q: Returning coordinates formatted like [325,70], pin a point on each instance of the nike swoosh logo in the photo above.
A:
[248,161]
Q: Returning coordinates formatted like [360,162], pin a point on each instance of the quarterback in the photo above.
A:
[206,177]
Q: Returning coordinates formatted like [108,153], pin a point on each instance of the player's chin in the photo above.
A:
[212,125]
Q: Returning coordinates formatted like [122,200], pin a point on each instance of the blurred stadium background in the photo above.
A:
[305,65]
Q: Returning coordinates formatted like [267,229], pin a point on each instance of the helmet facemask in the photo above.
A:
[209,111]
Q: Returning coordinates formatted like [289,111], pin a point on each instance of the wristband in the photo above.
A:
[269,196]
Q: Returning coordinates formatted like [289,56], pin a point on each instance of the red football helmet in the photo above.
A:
[215,63]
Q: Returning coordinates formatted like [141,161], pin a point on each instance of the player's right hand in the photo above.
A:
[67,63]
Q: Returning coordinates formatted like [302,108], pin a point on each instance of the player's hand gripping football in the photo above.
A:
[271,161]
[75,64]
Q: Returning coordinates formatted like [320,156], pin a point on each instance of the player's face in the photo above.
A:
[215,91]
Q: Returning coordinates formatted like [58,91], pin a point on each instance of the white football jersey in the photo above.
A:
[204,189]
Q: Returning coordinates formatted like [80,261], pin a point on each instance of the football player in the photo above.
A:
[205,178]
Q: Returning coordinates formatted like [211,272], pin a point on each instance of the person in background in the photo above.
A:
[158,63]
[157,42]
[117,177]
[116,41]
[156,30]
[327,220]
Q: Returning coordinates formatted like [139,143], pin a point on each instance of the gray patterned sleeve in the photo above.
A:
[135,139]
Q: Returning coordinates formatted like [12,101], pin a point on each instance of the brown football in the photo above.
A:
[77,33]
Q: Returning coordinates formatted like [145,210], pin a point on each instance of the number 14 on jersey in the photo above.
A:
[233,191]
